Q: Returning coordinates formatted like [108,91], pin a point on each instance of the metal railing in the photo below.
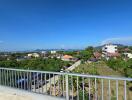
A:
[68,85]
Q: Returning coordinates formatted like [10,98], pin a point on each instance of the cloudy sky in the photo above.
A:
[43,24]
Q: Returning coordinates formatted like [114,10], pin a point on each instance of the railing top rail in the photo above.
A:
[72,74]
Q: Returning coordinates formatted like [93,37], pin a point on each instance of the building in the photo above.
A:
[67,58]
[36,55]
[53,52]
[20,59]
[109,48]
[97,55]
[128,55]
[44,53]
[29,55]
[110,51]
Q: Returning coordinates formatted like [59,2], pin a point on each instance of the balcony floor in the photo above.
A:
[7,93]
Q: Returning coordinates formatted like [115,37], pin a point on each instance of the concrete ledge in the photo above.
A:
[7,93]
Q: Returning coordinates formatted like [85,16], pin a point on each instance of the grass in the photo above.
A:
[100,68]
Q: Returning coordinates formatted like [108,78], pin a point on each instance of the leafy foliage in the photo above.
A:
[36,64]
[87,69]
[121,65]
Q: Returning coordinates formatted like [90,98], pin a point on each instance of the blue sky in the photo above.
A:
[43,24]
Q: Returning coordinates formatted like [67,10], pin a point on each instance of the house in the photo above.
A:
[116,54]
[97,55]
[67,58]
[128,55]
[30,55]
[36,55]
[110,51]
[20,59]
[53,52]
[59,56]
[112,55]
[109,48]
[44,53]
[127,50]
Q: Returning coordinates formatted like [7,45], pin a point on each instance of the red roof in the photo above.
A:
[97,54]
[67,57]
[126,49]
[116,54]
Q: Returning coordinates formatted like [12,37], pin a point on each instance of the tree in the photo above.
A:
[90,49]
[85,55]
[72,53]
[36,64]
[125,67]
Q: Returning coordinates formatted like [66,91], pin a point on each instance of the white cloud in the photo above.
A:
[118,40]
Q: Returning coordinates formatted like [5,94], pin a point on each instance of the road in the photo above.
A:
[54,79]
[73,66]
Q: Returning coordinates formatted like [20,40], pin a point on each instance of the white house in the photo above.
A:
[36,55]
[44,52]
[53,52]
[109,48]
[129,55]
[30,54]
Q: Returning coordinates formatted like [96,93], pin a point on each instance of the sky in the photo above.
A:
[67,24]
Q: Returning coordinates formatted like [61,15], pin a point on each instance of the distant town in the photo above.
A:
[106,51]
[116,56]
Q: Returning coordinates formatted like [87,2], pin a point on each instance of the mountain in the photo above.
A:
[100,47]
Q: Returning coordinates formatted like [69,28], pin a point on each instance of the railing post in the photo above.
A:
[0,76]
[125,90]
[67,87]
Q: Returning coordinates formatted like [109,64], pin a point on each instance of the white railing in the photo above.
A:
[68,85]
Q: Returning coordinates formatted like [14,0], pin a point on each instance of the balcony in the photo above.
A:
[69,86]
[7,93]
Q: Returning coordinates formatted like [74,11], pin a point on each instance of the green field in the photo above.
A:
[100,68]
